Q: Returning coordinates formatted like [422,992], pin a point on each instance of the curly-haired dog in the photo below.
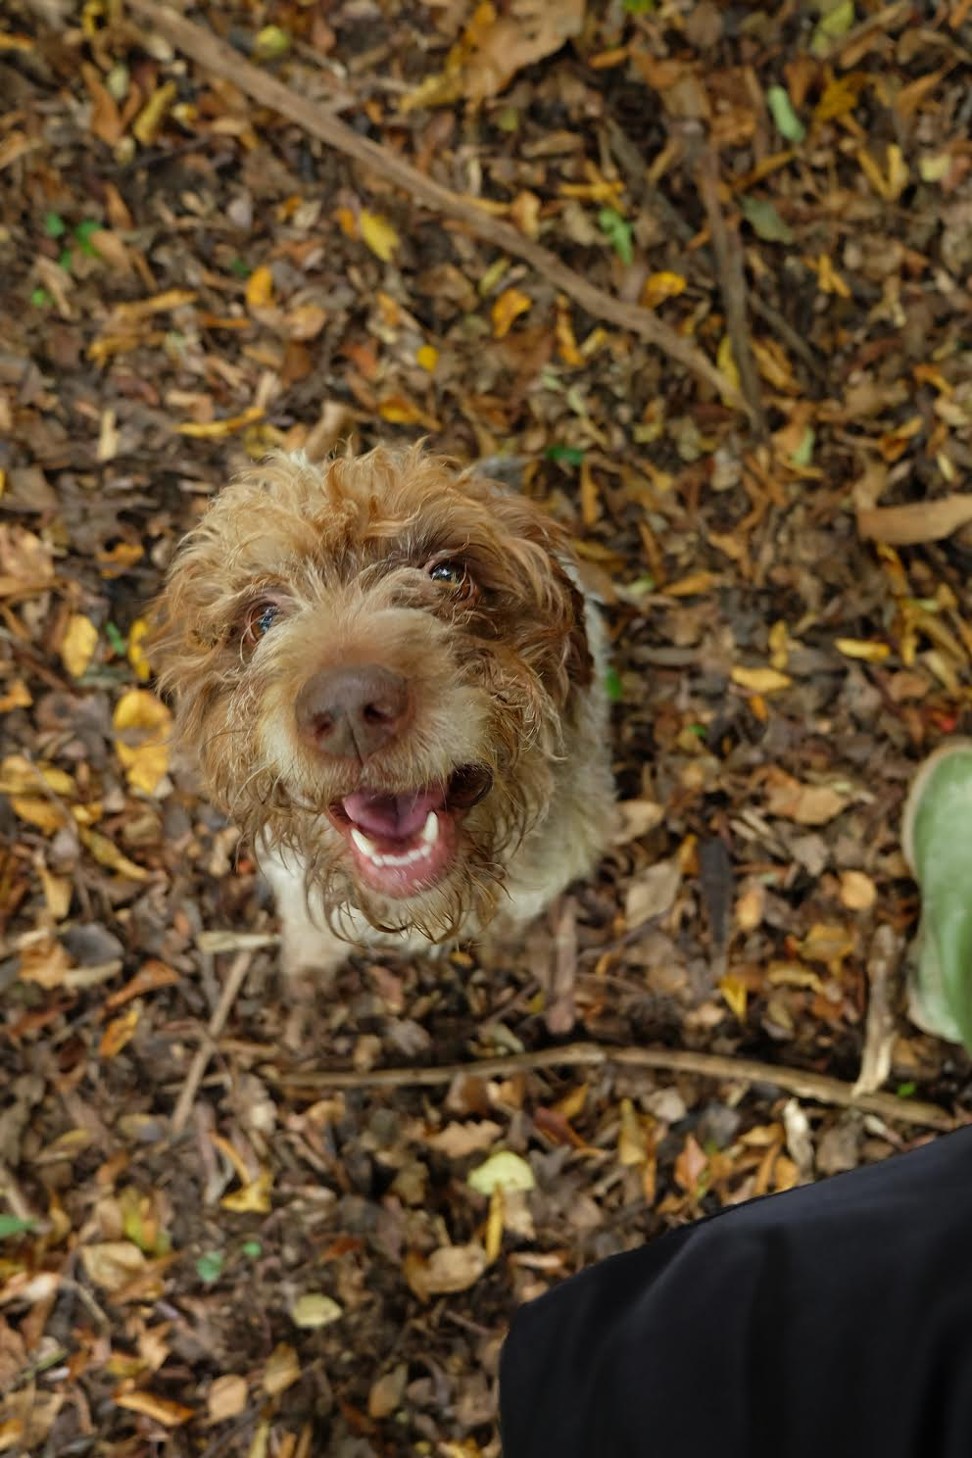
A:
[389,677]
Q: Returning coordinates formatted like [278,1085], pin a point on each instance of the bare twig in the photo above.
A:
[807,1085]
[235,978]
[222,60]
[732,285]
[883,962]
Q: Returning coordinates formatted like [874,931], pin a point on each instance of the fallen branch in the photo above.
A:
[816,1086]
[235,978]
[222,60]
[732,286]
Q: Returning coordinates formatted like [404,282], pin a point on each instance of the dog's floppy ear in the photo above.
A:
[542,555]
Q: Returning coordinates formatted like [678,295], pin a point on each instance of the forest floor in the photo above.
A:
[696,276]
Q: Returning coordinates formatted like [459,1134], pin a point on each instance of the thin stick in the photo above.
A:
[732,285]
[222,60]
[816,1086]
[235,978]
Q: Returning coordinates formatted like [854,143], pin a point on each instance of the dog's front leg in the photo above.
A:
[308,946]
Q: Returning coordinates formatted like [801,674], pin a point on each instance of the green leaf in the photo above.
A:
[836,19]
[906,1090]
[618,231]
[40,298]
[252,1249]
[565,455]
[639,7]
[13,1225]
[64,260]
[240,267]
[82,236]
[116,639]
[54,225]
[209,1267]
[765,221]
[788,124]
[803,454]
[612,686]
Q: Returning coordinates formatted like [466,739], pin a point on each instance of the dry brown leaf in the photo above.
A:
[637,818]
[119,1032]
[113,1264]
[806,804]
[314,1309]
[918,521]
[282,1370]
[457,1140]
[386,1394]
[226,1398]
[494,47]
[450,1268]
[857,891]
[760,680]
[26,562]
[107,854]
[651,893]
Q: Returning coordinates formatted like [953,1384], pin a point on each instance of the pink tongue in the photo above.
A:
[398,817]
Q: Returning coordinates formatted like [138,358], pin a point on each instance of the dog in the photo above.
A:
[389,676]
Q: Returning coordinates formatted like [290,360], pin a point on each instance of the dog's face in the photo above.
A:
[373,661]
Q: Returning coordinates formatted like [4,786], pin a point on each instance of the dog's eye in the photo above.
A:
[260,618]
[454,574]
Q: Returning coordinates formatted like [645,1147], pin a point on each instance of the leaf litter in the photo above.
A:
[188,280]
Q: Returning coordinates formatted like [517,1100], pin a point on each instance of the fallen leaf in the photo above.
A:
[507,308]
[119,1032]
[458,1140]
[314,1309]
[449,1269]
[282,1370]
[142,724]
[107,854]
[113,1264]
[78,644]
[806,804]
[162,1409]
[385,1395]
[137,635]
[857,891]
[216,429]
[227,1398]
[253,1198]
[760,680]
[651,893]
[636,818]
[661,286]
[502,1171]
[379,235]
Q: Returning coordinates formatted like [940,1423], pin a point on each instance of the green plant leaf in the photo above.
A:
[565,455]
[40,298]
[54,225]
[765,221]
[612,686]
[13,1225]
[209,1266]
[788,124]
[618,232]
[82,236]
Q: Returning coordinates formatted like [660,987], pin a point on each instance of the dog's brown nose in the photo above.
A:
[352,712]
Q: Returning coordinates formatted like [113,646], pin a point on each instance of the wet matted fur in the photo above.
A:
[468,595]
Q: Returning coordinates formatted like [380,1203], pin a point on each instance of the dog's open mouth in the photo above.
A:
[404,843]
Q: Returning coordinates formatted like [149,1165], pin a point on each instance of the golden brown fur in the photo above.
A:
[501,673]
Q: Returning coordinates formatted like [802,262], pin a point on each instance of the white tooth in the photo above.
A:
[365,846]
[430,830]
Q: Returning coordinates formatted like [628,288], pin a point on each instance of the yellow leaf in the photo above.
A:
[661,286]
[78,644]
[119,1032]
[45,963]
[346,221]
[493,1242]
[427,356]
[282,1370]
[726,361]
[863,648]
[400,410]
[18,696]
[107,854]
[215,429]
[564,334]
[270,43]
[169,1414]
[137,634]
[632,1137]
[45,814]
[696,584]
[314,1309]
[733,989]
[259,288]
[142,724]
[253,1199]
[148,123]
[508,307]
[760,680]
[18,776]
[378,233]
